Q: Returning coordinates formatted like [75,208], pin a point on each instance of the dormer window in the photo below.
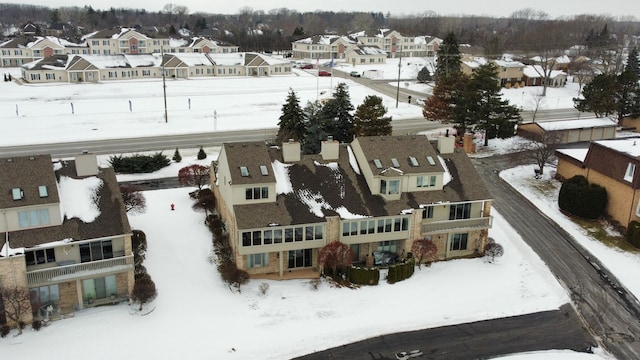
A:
[42,190]
[17,193]
[263,170]
[377,163]
[395,162]
[244,171]
[628,175]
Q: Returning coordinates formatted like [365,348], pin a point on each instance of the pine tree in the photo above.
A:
[369,119]
[201,154]
[424,75]
[598,96]
[438,106]
[292,121]
[176,156]
[313,139]
[337,119]
[448,59]
[633,63]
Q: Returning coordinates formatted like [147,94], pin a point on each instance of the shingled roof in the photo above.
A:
[341,190]
[112,220]
[27,173]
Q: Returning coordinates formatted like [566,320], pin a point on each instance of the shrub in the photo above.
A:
[492,251]
[201,154]
[579,198]
[363,276]
[144,290]
[138,163]
[36,325]
[399,272]
[633,233]
[22,325]
[263,288]
[176,156]
[139,245]
[4,330]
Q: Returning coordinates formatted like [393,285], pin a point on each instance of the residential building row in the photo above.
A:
[64,235]
[377,194]
[362,48]
[612,164]
[100,68]
[512,73]
[22,50]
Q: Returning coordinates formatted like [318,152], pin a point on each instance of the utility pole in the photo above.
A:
[164,85]
[398,88]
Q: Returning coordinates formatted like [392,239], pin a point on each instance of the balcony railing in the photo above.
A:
[456,225]
[79,271]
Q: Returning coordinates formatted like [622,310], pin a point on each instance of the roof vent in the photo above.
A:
[9,160]
[32,158]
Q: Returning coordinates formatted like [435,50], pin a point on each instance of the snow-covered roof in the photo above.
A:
[229,59]
[193,59]
[535,71]
[630,146]
[578,154]
[576,124]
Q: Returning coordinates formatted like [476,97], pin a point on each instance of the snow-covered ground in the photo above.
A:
[195,315]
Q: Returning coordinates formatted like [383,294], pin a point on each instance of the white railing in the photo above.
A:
[79,271]
[456,225]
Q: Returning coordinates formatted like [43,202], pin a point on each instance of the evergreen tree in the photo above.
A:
[424,75]
[633,63]
[201,154]
[480,105]
[438,106]
[448,59]
[337,119]
[292,121]
[313,139]
[369,119]
[176,156]
[598,96]
[627,91]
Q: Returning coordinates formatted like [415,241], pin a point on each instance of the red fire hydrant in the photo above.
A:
[173,207]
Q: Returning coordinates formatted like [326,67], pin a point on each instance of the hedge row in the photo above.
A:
[138,163]
[399,272]
[582,199]
[363,276]
[633,233]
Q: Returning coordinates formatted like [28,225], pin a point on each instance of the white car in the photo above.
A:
[420,101]
[403,355]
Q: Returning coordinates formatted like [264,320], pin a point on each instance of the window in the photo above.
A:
[257,193]
[387,246]
[427,213]
[460,211]
[257,260]
[50,76]
[97,250]
[459,242]
[37,257]
[244,171]
[99,288]
[33,218]
[628,175]
[389,187]
[44,295]
[426,181]
[17,194]
[146,72]
[300,258]
[35,77]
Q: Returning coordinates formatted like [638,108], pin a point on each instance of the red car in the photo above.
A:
[306,67]
[324,73]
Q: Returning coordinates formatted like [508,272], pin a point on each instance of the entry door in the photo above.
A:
[99,288]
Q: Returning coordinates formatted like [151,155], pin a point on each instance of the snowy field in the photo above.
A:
[195,315]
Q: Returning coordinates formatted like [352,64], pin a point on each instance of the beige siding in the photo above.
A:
[622,200]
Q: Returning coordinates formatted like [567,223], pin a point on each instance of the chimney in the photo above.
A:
[446,144]
[330,149]
[86,164]
[467,143]
[291,151]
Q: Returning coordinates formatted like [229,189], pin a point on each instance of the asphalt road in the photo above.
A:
[610,313]
[559,329]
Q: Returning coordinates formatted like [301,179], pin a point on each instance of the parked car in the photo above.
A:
[324,73]
[420,101]
[408,355]
[307,66]
[354,74]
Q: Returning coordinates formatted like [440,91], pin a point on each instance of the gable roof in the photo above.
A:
[612,157]
[321,188]
[364,50]
[250,155]
[401,148]
[112,220]
[27,173]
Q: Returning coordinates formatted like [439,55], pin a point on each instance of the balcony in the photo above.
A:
[79,271]
[461,225]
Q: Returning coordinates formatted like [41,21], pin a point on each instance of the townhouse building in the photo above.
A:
[612,164]
[64,234]
[376,194]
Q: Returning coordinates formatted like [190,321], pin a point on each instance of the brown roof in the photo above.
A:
[613,163]
[112,220]
[343,187]
[27,173]
[251,155]
[384,148]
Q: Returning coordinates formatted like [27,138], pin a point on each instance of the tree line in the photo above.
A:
[256,30]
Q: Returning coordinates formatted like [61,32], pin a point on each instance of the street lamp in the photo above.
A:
[164,84]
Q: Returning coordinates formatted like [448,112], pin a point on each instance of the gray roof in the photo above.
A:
[401,148]
[27,173]
[112,220]
[251,155]
[346,188]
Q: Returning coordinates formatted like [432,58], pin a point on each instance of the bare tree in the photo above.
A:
[194,175]
[424,250]
[17,303]
[336,256]
[534,105]
[134,200]
[543,148]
